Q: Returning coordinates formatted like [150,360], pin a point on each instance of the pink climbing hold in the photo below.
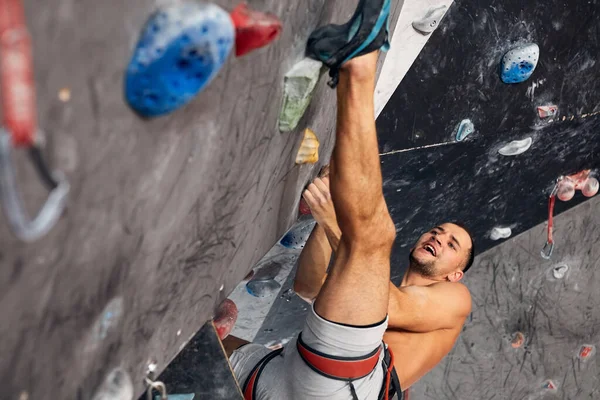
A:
[547,111]
[253,29]
[225,318]
[566,190]
[590,187]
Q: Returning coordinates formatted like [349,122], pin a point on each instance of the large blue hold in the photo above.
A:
[180,51]
[519,63]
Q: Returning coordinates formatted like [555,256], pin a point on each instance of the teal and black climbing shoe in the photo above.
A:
[366,31]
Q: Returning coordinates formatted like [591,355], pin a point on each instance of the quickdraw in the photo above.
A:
[564,189]
[548,248]
[19,128]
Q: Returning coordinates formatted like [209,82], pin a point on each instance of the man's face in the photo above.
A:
[442,252]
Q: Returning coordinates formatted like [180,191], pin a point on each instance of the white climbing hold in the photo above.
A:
[560,271]
[464,129]
[430,21]
[116,386]
[500,233]
[547,111]
[299,84]
[516,147]
[590,188]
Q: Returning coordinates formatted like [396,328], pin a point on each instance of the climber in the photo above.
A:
[426,312]
[340,353]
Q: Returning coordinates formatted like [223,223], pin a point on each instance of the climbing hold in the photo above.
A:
[297,236]
[464,129]
[365,32]
[516,147]
[500,233]
[116,386]
[262,288]
[309,148]
[586,352]
[253,29]
[299,84]
[547,111]
[590,188]
[518,340]
[560,271]
[519,63]
[64,95]
[181,49]
[225,318]
[304,208]
[549,385]
[430,21]
[566,190]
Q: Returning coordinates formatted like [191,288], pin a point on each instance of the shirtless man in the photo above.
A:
[426,312]
[339,355]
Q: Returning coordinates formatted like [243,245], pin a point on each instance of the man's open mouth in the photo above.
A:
[430,249]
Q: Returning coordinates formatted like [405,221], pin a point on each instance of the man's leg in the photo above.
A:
[356,290]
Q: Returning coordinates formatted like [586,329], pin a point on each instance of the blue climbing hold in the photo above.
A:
[181,49]
[464,129]
[519,63]
[297,236]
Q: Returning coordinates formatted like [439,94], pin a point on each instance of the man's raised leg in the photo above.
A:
[357,288]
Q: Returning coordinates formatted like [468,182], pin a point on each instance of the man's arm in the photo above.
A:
[443,305]
[324,239]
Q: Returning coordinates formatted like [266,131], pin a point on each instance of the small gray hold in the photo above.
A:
[516,147]
[430,21]
[560,271]
[116,386]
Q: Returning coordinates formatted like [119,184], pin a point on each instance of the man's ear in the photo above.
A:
[456,276]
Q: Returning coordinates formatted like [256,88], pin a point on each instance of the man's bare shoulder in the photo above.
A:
[457,293]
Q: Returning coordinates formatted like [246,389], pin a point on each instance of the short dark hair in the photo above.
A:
[472,251]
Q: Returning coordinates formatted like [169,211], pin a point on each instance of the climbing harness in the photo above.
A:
[352,368]
[548,248]
[252,381]
[19,128]
[346,369]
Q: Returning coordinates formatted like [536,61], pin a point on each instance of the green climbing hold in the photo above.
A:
[299,84]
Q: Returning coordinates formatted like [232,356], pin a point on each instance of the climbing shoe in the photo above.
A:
[367,31]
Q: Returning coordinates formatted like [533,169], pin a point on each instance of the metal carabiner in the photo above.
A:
[547,250]
[23,227]
[158,386]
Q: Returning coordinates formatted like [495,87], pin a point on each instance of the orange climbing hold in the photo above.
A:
[518,340]
[253,29]
[309,149]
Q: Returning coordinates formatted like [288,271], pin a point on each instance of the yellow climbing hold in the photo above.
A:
[309,148]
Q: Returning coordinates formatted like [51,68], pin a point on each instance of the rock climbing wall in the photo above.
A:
[165,216]
[533,331]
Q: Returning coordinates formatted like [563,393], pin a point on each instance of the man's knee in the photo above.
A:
[377,234]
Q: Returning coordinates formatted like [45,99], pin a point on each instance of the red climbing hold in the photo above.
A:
[549,385]
[225,318]
[586,351]
[304,208]
[253,29]
[547,111]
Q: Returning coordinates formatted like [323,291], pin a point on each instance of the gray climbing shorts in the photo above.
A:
[288,377]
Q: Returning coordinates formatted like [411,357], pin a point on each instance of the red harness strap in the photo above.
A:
[339,368]
[252,381]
